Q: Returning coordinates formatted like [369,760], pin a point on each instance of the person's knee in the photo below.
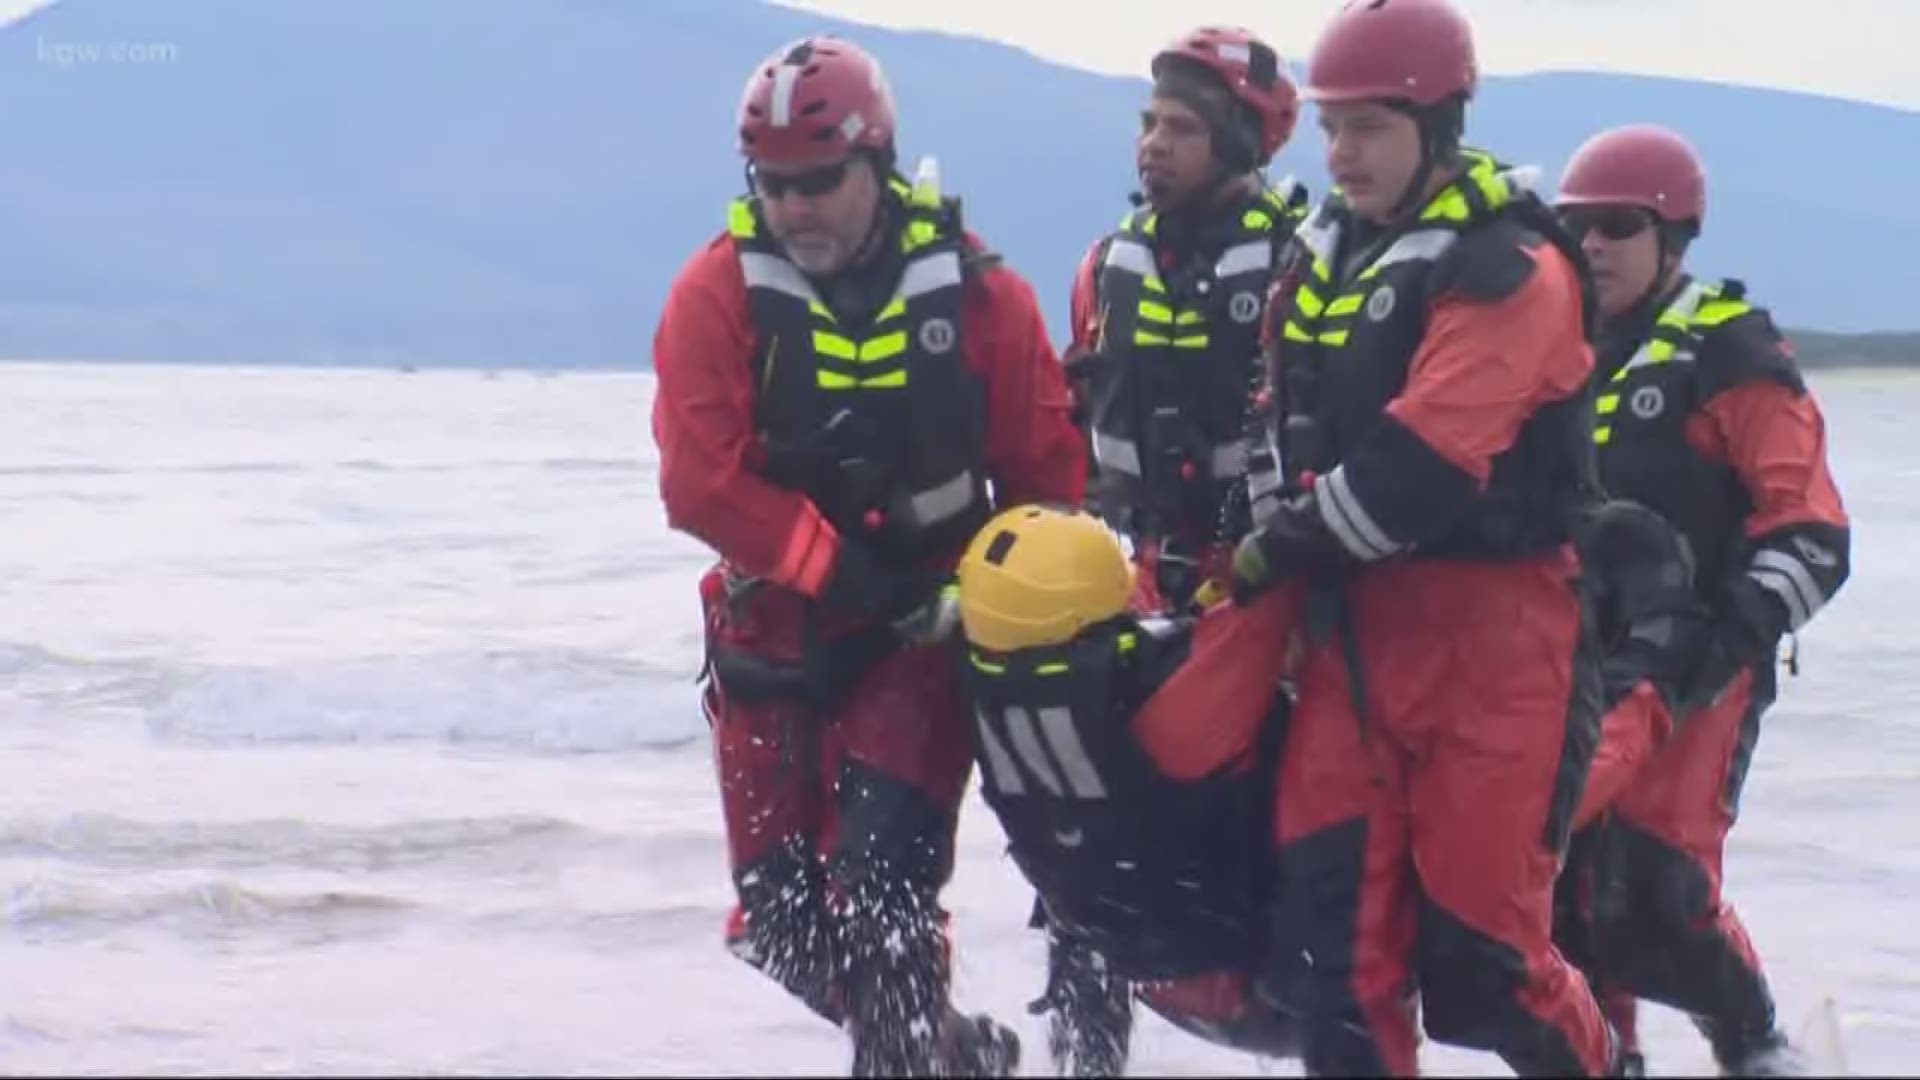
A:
[1469,982]
[1647,894]
[892,836]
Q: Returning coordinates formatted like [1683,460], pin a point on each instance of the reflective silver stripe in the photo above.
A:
[1244,259]
[942,501]
[1157,626]
[1348,520]
[1263,479]
[1057,723]
[1117,454]
[930,272]
[1006,775]
[1423,246]
[1026,742]
[1131,256]
[1229,459]
[1288,189]
[1789,579]
[1239,54]
[1320,237]
[785,78]
[764,271]
[1521,178]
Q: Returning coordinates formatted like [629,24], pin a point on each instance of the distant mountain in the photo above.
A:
[517,181]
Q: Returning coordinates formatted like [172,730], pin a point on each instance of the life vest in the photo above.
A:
[1348,336]
[1162,878]
[1653,385]
[1181,353]
[882,425]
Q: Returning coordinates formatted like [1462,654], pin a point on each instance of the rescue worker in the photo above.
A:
[1166,310]
[1131,759]
[1166,321]
[841,375]
[1430,370]
[1703,416]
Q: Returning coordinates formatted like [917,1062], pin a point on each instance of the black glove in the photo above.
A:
[916,603]
[1746,630]
[1292,541]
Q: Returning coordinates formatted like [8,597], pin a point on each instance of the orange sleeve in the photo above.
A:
[1775,439]
[703,423]
[1484,368]
[1207,716]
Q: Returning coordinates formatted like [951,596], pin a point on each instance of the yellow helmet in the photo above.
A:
[1038,575]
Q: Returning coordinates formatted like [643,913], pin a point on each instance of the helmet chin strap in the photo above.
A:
[1439,148]
[1200,198]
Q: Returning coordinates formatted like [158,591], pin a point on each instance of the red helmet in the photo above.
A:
[1253,73]
[1640,165]
[1419,51]
[812,103]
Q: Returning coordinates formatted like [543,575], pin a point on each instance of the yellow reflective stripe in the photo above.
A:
[1188,318]
[820,311]
[919,234]
[1057,667]
[1346,305]
[740,223]
[1714,312]
[1196,342]
[1335,338]
[1602,435]
[1155,312]
[835,346]
[895,308]
[1451,204]
[1661,351]
[866,352]
[1141,337]
[1128,641]
[986,665]
[1292,332]
[1309,302]
[834,380]
[1153,284]
[883,347]
[1257,220]
[1608,404]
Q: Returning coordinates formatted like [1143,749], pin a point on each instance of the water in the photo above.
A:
[349,729]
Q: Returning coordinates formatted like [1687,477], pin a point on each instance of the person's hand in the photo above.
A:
[1293,540]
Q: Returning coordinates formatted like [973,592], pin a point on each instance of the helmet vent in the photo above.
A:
[997,550]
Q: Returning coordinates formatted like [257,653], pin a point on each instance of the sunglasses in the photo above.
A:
[1613,222]
[810,184]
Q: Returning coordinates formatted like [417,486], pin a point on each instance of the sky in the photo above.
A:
[1861,49]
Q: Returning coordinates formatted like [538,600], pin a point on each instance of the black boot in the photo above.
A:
[1089,1011]
[976,1045]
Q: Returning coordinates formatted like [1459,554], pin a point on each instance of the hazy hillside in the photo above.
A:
[516,181]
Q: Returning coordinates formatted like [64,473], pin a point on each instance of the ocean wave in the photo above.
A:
[106,840]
